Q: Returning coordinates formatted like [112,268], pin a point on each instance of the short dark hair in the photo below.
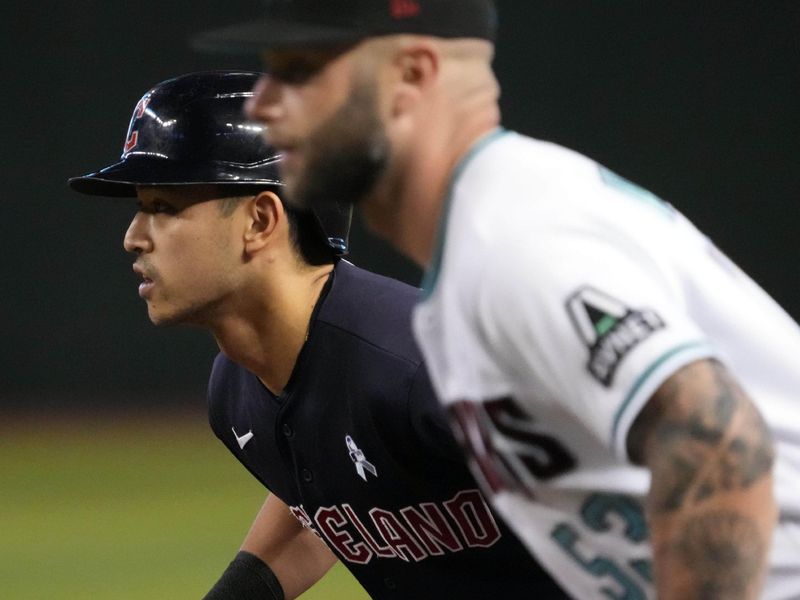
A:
[305,230]
[308,238]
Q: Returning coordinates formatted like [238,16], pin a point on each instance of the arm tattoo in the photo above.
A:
[700,435]
[723,551]
[704,440]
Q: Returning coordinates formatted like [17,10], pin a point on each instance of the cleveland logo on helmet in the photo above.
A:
[133,136]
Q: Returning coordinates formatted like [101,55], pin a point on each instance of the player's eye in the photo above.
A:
[297,71]
[163,207]
[156,207]
[297,68]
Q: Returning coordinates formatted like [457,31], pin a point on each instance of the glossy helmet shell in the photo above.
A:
[192,130]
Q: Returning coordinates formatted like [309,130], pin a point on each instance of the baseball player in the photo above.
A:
[319,390]
[628,397]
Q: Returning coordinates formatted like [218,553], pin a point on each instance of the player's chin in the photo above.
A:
[161,317]
[193,314]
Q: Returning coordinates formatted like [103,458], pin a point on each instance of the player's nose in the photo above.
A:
[264,105]
[136,238]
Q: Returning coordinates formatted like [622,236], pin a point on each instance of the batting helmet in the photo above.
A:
[191,130]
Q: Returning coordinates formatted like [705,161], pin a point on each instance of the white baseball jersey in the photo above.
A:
[560,298]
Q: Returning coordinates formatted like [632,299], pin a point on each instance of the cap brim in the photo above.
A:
[120,180]
[271,33]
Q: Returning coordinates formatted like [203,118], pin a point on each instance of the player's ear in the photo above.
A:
[416,65]
[265,214]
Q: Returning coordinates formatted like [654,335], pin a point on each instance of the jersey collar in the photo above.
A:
[432,273]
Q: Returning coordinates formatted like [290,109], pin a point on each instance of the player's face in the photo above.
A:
[186,253]
[322,115]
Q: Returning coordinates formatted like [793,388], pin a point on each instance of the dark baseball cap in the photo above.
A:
[291,23]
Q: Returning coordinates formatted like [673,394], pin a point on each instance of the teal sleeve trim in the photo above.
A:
[642,379]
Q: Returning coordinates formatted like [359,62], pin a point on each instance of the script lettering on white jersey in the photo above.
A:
[506,449]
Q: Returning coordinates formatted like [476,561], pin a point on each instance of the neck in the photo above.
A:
[420,187]
[428,143]
[266,332]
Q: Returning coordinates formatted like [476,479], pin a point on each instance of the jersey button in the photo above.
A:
[389,583]
[287,430]
[308,476]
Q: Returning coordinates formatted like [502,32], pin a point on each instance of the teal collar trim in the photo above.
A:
[432,274]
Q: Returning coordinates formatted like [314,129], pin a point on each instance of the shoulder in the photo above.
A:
[223,372]
[514,191]
[512,162]
[352,283]
[227,379]
[524,201]
[371,308]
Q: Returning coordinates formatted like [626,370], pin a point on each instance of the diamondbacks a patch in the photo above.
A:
[609,328]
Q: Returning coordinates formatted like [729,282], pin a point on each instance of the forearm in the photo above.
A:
[715,549]
[711,507]
[279,559]
[295,554]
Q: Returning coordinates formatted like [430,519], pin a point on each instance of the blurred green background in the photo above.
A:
[124,506]
[111,484]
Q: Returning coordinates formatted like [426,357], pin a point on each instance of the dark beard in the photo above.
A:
[346,156]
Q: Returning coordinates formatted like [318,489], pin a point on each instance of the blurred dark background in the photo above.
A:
[696,101]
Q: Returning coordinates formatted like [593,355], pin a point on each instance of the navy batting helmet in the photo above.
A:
[191,130]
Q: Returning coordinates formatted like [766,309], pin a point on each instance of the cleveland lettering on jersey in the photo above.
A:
[412,533]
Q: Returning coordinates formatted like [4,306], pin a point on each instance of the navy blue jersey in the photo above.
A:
[359,449]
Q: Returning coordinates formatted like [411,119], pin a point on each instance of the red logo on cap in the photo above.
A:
[133,136]
[404,9]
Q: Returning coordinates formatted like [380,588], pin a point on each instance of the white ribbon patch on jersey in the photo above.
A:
[358,458]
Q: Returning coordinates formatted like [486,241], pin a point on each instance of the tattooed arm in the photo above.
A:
[710,507]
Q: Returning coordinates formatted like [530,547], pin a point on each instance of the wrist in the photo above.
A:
[247,578]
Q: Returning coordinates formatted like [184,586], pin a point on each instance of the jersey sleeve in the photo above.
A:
[429,421]
[414,427]
[216,396]
[589,322]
